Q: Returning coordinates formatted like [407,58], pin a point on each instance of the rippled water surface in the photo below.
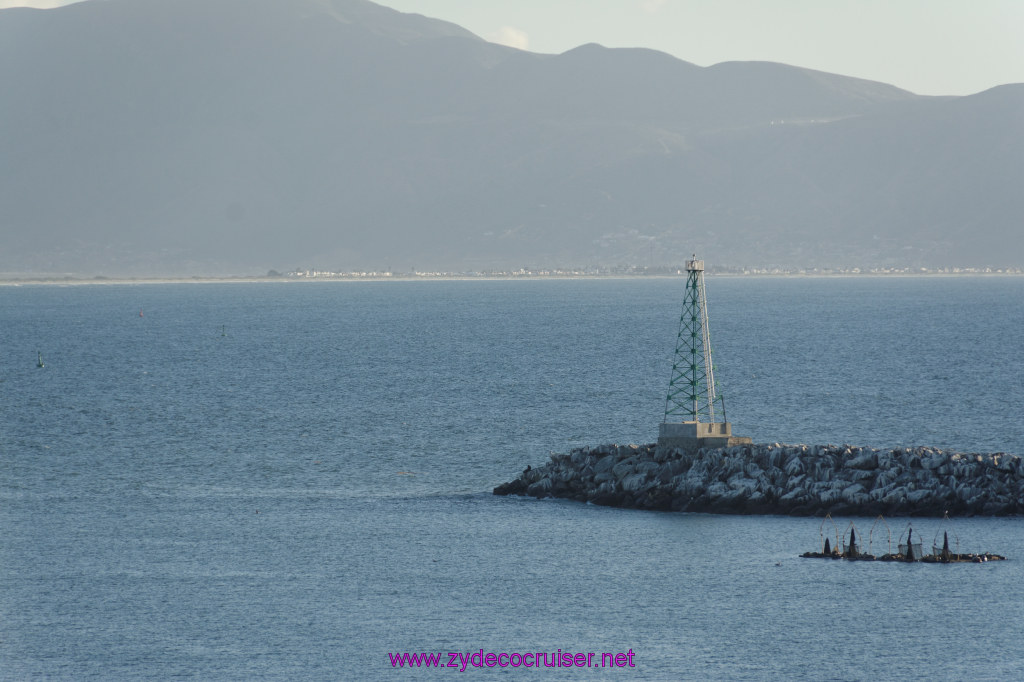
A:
[291,481]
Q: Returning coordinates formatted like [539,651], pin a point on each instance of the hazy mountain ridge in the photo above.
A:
[205,136]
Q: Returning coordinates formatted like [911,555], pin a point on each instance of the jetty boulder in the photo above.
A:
[773,478]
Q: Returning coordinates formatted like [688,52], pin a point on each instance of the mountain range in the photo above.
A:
[187,137]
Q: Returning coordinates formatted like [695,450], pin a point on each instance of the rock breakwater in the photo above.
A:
[799,480]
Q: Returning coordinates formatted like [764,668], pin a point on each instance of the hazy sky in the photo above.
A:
[931,47]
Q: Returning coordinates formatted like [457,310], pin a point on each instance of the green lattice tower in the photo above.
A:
[692,390]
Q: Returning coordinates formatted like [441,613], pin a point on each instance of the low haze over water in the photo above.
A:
[291,481]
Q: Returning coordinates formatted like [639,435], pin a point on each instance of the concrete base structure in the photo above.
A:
[691,436]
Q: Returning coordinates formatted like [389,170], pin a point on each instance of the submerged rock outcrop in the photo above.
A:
[799,480]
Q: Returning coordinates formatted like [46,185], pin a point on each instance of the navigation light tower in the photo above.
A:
[689,421]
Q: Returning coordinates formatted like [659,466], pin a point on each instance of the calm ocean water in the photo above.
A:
[290,481]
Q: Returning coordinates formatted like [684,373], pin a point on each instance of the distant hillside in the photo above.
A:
[234,136]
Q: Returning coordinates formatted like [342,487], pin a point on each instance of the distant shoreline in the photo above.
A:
[454,277]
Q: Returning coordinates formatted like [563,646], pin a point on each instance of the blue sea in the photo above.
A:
[293,480]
